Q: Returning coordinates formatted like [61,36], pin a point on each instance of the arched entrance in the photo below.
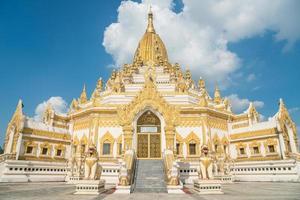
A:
[148,129]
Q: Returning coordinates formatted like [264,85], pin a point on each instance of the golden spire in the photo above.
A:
[83,96]
[74,104]
[188,74]
[150,48]
[201,83]
[217,95]
[99,84]
[281,104]
[150,27]
[203,101]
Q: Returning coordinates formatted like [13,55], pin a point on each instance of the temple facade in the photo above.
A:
[151,106]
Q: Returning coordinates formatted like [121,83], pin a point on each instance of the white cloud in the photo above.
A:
[58,104]
[256,88]
[239,104]
[294,110]
[262,117]
[251,77]
[198,36]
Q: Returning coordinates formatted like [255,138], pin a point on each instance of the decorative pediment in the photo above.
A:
[107,137]
[147,97]
[192,137]
[284,117]
[225,141]
[179,138]
[17,118]
[241,145]
[255,144]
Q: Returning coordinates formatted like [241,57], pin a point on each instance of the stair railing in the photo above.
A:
[134,175]
[127,169]
[171,168]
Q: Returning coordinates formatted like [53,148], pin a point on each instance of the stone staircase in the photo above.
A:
[150,177]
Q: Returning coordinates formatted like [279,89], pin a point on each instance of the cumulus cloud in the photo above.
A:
[239,104]
[199,35]
[251,77]
[294,110]
[58,104]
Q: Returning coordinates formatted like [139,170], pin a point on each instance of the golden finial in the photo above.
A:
[217,95]
[99,84]
[150,27]
[203,101]
[201,83]
[83,96]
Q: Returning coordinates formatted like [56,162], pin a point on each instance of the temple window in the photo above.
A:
[255,150]
[59,152]
[177,148]
[120,149]
[271,148]
[242,151]
[289,146]
[192,142]
[44,151]
[29,150]
[192,149]
[106,149]
[106,143]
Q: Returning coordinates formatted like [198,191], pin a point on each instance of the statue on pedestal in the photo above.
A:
[206,164]
[91,166]
[227,164]
[215,167]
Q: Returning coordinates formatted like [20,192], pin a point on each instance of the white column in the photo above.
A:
[263,150]
[9,144]
[184,150]
[115,149]
[281,145]
[292,140]
[19,144]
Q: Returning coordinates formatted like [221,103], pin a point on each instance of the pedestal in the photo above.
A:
[177,189]
[94,187]
[73,179]
[123,189]
[208,187]
[224,178]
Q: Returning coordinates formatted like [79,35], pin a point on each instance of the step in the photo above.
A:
[150,177]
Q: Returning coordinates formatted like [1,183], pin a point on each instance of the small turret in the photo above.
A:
[98,89]
[217,96]
[188,74]
[201,83]
[281,105]
[48,115]
[20,106]
[74,105]
[150,27]
[203,100]
[99,84]
[252,113]
[83,96]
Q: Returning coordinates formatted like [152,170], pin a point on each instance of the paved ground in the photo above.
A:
[236,191]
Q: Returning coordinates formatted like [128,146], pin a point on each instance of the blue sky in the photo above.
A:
[51,48]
